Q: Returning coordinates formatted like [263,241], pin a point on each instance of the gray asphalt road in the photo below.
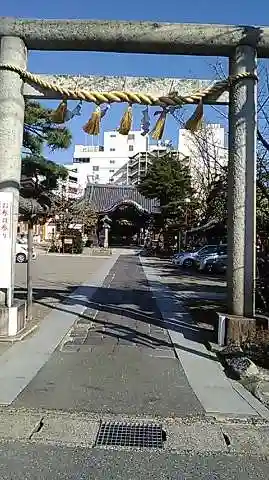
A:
[126,365]
[54,277]
[31,461]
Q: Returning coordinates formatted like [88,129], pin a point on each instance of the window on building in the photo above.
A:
[111,171]
[131,148]
[95,168]
[73,179]
[112,149]
[81,160]
[112,161]
[131,136]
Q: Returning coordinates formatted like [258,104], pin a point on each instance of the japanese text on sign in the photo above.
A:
[7,256]
[5,220]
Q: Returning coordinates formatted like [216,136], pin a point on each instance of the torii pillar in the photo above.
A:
[242,184]
[12,51]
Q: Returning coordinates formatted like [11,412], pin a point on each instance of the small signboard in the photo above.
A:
[6,260]
[68,241]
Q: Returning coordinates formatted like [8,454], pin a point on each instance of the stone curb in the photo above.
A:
[183,435]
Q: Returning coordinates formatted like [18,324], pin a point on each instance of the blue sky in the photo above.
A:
[205,11]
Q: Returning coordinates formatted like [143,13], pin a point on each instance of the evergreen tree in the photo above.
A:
[168,180]
[39,130]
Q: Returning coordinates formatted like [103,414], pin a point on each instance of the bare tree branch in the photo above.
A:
[262,140]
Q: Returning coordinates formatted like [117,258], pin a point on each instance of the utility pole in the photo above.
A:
[29,269]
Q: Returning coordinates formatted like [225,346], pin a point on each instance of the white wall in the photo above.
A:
[115,143]
[100,168]
[70,187]
[98,165]
[84,151]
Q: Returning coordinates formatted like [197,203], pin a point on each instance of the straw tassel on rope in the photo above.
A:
[92,127]
[195,121]
[158,130]
[58,116]
[126,121]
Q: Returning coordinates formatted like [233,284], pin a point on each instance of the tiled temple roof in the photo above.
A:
[105,198]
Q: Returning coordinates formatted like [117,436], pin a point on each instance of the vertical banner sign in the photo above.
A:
[5,239]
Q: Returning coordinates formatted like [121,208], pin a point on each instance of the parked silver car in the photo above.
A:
[205,262]
[187,259]
[217,265]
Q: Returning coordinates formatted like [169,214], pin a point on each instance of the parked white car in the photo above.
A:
[22,252]
[187,259]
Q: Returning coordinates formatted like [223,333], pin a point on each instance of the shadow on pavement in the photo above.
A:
[202,294]
[122,317]
[125,309]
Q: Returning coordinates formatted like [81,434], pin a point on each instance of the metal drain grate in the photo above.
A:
[130,435]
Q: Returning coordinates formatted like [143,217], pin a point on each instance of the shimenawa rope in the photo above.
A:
[172,99]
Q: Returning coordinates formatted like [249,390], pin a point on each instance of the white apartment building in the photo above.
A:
[207,152]
[70,188]
[137,165]
[98,164]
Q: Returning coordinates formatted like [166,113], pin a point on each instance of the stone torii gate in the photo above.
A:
[241,44]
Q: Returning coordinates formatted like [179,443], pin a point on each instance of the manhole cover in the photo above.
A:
[130,435]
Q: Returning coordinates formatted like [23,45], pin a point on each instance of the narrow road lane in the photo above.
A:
[126,365]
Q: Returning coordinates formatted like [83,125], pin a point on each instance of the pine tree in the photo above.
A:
[39,130]
[168,180]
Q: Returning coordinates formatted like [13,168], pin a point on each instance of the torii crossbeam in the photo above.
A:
[242,44]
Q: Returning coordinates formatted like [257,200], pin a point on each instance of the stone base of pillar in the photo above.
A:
[12,319]
[233,329]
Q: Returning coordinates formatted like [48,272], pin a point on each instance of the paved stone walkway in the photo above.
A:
[118,358]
